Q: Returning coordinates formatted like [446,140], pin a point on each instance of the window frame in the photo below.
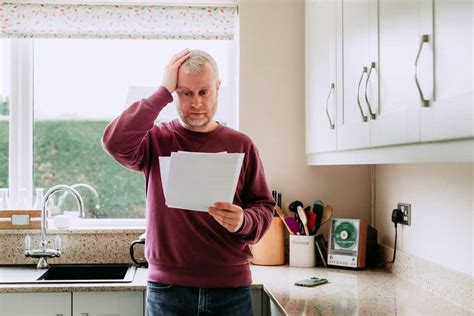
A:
[21,123]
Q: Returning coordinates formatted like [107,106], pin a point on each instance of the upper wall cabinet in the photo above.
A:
[357,51]
[402,24]
[450,116]
[395,77]
[321,86]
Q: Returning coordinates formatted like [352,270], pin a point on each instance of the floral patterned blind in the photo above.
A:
[30,20]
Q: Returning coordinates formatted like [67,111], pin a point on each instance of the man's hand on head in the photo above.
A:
[229,215]
[170,76]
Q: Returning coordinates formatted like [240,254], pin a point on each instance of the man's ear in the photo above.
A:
[218,84]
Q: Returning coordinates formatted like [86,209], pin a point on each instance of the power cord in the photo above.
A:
[397,217]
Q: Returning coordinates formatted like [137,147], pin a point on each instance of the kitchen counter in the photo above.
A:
[348,292]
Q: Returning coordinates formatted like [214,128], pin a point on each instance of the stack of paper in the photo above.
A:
[195,181]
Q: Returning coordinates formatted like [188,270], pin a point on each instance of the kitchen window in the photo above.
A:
[64,93]
[4,116]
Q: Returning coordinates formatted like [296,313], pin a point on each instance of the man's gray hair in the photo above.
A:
[197,60]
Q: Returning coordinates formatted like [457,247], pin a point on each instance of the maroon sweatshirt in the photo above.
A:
[183,247]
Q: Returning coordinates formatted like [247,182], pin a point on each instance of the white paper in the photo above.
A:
[164,171]
[195,181]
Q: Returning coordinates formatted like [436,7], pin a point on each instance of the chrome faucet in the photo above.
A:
[43,252]
[78,185]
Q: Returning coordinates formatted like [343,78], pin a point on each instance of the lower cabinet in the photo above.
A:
[72,304]
[257,302]
[107,303]
[102,304]
[264,304]
[35,304]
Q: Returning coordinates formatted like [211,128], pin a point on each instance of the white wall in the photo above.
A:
[441,196]
[272,109]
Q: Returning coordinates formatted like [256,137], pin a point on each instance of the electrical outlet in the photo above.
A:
[406,210]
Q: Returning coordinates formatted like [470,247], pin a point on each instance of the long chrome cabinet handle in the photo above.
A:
[364,117]
[372,114]
[424,102]
[331,123]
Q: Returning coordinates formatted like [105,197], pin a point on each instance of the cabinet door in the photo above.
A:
[320,75]
[401,26]
[450,115]
[257,302]
[35,304]
[357,43]
[107,303]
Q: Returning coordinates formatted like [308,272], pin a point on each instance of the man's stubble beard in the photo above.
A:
[196,123]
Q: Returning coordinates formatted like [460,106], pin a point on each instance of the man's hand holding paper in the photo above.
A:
[229,215]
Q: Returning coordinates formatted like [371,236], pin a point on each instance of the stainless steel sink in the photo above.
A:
[67,273]
[88,273]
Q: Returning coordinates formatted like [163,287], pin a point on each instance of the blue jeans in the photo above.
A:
[165,299]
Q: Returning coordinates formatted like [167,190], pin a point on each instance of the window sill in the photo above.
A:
[88,226]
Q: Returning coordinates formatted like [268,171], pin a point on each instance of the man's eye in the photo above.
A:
[204,93]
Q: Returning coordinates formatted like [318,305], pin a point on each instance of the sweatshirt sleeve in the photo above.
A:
[126,138]
[258,203]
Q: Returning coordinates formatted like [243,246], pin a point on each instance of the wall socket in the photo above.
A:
[406,210]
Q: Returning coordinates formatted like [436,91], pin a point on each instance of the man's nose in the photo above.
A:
[196,101]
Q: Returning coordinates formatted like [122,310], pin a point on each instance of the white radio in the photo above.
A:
[352,243]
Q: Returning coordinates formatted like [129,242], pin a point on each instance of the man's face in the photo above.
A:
[197,96]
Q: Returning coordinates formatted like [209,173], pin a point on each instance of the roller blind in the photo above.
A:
[42,20]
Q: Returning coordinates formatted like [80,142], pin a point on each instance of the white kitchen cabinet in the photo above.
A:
[320,75]
[404,81]
[358,46]
[35,304]
[108,303]
[402,24]
[450,115]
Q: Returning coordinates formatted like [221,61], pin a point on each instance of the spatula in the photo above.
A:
[292,224]
[327,214]
[280,213]
[311,220]
[318,209]
[304,219]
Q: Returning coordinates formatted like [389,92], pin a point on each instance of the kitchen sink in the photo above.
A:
[88,273]
[67,273]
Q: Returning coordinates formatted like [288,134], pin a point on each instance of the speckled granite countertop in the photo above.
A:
[347,293]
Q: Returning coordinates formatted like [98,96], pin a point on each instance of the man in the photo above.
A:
[198,261]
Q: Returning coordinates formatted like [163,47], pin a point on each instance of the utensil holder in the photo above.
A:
[270,249]
[302,251]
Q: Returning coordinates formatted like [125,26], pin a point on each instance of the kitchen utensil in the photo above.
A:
[280,213]
[311,220]
[304,219]
[274,196]
[318,209]
[294,206]
[292,224]
[327,214]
